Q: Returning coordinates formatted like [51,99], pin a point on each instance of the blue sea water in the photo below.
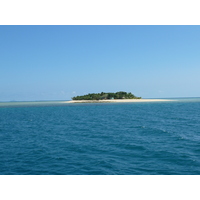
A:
[154,138]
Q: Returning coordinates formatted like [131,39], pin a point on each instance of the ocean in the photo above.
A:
[55,138]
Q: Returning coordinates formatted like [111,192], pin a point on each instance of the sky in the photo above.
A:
[59,62]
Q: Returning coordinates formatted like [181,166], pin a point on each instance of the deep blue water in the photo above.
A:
[105,138]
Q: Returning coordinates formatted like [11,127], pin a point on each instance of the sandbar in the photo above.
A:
[118,101]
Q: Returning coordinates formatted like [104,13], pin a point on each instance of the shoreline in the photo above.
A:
[118,101]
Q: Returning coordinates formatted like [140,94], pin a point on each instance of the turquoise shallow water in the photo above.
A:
[106,138]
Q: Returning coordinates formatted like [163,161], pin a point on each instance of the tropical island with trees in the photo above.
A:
[106,96]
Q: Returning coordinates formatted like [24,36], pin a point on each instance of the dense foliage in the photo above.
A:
[103,95]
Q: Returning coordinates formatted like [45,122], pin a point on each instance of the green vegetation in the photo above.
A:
[103,95]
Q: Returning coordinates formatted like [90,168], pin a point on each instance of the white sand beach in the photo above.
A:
[117,100]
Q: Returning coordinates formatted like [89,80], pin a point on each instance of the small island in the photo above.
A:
[106,96]
[118,97]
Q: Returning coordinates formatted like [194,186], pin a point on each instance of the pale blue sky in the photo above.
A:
[59,62]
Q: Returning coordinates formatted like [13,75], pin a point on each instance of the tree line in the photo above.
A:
[109,95]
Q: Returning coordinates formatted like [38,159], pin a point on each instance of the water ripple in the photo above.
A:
[150,138]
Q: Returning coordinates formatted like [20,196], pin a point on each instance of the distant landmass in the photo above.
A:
[109,95]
